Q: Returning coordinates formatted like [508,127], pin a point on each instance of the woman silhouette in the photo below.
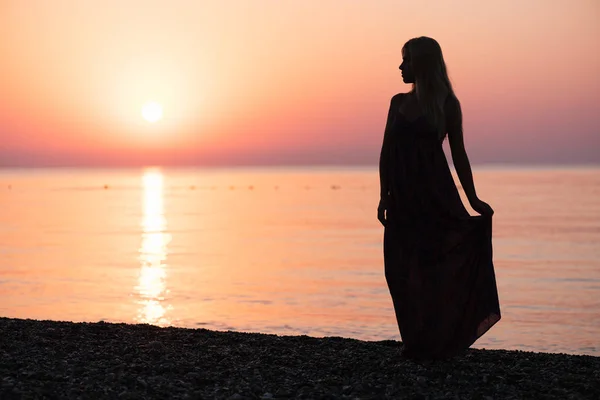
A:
[438,258]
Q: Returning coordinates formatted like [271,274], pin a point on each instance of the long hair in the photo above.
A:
[432,85]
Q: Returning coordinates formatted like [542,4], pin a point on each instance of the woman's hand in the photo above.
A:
[482,207]
[382,210]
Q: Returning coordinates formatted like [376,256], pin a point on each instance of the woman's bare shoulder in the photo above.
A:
[452,105]
[398,97]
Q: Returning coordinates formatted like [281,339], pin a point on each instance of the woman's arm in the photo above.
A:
[384,156]
[457,147]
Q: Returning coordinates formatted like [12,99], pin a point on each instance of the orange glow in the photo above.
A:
[279,82]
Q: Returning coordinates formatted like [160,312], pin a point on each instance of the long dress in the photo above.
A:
[438,258]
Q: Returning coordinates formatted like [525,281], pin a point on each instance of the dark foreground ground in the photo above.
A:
[44,359]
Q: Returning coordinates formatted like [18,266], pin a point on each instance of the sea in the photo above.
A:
[283,250]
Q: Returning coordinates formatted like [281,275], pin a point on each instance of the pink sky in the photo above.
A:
[302,82]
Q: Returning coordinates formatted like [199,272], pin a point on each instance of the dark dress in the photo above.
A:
[438,258]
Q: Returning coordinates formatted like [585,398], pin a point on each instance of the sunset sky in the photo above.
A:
[288,82]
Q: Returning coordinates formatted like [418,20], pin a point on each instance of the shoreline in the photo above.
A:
[55,359]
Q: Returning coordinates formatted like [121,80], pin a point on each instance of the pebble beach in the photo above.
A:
[66,360]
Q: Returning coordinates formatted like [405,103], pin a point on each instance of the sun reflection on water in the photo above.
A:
[152,289]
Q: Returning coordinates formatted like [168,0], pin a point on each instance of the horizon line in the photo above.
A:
[477,165]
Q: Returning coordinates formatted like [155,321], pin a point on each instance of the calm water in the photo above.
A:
[296,251]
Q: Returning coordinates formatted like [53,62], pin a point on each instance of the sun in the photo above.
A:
[152,111]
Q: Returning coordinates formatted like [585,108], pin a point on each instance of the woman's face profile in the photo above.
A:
[408,75]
